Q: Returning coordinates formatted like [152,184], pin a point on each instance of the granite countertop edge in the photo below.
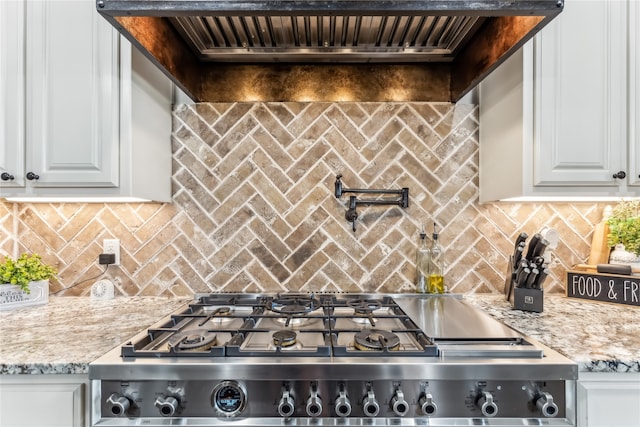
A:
[598,337]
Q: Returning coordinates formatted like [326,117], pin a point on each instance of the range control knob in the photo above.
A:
[342,404]
[167,405]
[287,405]
[314,404]
[427,405]
[119,404]
[544,402]
[370,404]
[486,404]
[398,404]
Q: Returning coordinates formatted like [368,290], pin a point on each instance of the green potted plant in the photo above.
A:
[24,281]
[624,232]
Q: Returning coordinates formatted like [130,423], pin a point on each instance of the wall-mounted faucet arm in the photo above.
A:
[340,190]
[352,214]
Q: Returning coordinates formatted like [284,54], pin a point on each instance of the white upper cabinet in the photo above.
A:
[580,95]
[72,95]
[556,120]
[75,92]
[634,92]
[12,94]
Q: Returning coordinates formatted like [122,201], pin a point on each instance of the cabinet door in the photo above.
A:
[580,111]
[12,138]
[634,93]
[72,95]
[42,401]
[608,400]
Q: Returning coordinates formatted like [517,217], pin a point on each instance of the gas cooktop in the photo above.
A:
[285,325]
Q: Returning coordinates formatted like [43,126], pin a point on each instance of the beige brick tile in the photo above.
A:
[269,261]
[232,115]
[271,124]
[264,161]
[253,207]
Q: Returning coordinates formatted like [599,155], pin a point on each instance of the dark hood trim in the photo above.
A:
[506,26]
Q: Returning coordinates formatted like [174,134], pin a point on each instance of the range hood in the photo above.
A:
[440,49]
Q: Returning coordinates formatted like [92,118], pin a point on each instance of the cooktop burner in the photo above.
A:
[363,306]
[287,325]
[192,340]
[376,339]
[294,304]
[284,338]
[218,315]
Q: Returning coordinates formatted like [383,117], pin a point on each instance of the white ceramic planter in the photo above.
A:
[620,256]
[11,296]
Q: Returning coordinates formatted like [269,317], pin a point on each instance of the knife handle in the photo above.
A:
[521,238]
[518,254]
[517,269]
[541,278]
[522,277]
[532,278]
[540,247]
[532,245]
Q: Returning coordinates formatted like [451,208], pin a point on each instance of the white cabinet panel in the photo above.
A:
[608,400]
[580,95]
[72,95]
[12,137]
[634,91]
[79,108]
[43,401]
[560,117]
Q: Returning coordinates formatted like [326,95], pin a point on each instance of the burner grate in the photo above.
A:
[285,325]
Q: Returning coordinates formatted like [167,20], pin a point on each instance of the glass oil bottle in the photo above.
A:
[422,264]
[435,283]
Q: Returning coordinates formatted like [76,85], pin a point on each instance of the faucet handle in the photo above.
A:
[338,185]
[352,214]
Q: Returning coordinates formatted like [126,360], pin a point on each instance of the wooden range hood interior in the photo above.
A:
[340,50]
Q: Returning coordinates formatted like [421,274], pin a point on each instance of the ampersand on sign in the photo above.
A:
[612,294]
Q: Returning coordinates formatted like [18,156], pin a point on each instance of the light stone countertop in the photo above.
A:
[65,335]
[68,333]
[600,337]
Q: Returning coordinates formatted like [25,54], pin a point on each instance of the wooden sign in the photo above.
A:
[604,287]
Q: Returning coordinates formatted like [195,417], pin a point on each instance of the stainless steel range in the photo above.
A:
[331,359]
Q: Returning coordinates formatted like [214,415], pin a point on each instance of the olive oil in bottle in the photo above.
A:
[422,264]
[435,283]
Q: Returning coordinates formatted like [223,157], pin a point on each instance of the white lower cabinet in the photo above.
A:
[608,399]
[44,401]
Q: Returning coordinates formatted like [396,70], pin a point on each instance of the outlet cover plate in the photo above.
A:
[112,246]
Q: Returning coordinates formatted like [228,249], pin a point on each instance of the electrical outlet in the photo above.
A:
[112,246]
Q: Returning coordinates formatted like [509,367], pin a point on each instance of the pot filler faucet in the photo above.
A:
[352,214]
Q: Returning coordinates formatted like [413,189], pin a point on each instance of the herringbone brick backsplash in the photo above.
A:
[254,208]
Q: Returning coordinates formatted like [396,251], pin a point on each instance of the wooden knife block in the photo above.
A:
[524,299]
